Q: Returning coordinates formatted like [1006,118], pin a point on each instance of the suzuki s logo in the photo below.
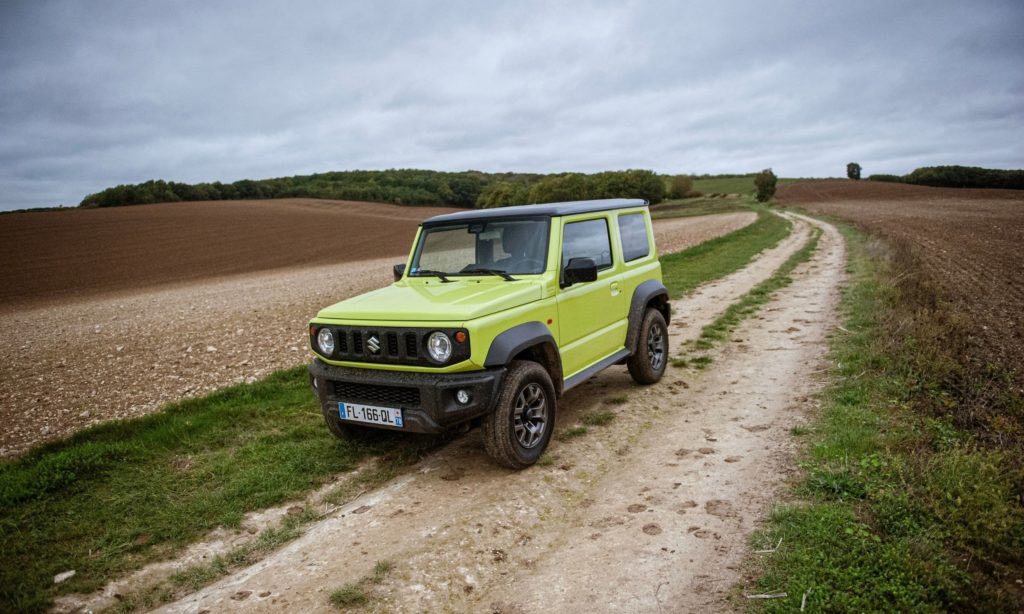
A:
[373,343]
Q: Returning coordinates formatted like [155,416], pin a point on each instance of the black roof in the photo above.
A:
[545,210]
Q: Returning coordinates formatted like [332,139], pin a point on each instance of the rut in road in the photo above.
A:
[652,511]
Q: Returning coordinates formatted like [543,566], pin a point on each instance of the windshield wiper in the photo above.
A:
[499,272]
[432,273]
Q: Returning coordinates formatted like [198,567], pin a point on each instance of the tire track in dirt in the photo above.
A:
[650,511]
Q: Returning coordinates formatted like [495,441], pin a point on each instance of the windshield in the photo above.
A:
[509,246]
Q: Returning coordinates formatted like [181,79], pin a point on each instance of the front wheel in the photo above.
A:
[650,356]
[517,432]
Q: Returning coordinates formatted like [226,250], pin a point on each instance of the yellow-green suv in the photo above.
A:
[494,316]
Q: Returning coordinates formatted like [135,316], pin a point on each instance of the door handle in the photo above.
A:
[614,288]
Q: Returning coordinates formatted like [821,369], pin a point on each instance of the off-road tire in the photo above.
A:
[345,431]
[646,365]
[524,378]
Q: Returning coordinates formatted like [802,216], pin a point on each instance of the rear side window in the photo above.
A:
[587,239]
[633,231]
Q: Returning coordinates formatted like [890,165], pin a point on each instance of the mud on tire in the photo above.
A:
[650,356]
[517,432]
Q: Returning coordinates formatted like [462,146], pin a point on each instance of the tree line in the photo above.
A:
[408,187]
[959,177]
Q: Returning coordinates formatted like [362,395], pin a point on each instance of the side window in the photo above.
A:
[633,231]
[587,239]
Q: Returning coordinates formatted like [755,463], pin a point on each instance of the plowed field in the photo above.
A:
[971,243]
[79,253]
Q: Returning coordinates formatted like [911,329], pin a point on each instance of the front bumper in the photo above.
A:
[427,400]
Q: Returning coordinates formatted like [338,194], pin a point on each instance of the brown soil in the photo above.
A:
[650,513]
[127,353]
[970,242]
[56,255]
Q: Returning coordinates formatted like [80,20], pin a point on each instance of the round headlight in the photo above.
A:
[325,339]
[439,346]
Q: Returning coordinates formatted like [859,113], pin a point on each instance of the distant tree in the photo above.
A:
[559,188]
[853,171]
[765,182]
[680,186]
[633,183]
[503,194]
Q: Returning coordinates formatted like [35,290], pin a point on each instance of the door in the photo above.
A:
[592,315]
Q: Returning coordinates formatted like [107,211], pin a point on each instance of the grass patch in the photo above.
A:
[714,259]
[619,399]
[355,594]
[381,569]
[679,362]
[598,418]
[572,433]
[114,497]
[902,511]
[348,596]
[701,362]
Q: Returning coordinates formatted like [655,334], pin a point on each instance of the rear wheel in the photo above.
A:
[650,356]
[517,432]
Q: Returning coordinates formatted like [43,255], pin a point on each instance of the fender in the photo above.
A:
[515,340]
[650,290]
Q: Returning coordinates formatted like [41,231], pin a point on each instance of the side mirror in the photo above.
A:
[579,270]
[399,270]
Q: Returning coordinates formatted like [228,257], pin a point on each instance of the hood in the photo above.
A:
[422,301]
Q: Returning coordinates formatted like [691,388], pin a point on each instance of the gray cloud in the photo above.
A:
[96,94]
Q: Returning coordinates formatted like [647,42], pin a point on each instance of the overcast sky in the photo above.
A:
[93,94]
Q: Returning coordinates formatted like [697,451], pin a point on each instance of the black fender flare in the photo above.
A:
[515,340]
[645,293]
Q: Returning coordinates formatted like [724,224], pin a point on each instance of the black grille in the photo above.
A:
[395,345]
[391,396]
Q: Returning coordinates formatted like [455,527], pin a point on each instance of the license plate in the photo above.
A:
[371,414]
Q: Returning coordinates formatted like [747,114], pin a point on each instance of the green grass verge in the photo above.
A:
[683,271]
[899,510]
[691,207]
[114,497]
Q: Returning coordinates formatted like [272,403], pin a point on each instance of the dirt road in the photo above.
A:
[649,513]
[79,362]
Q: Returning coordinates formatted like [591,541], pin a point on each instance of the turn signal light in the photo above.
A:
[460,337]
